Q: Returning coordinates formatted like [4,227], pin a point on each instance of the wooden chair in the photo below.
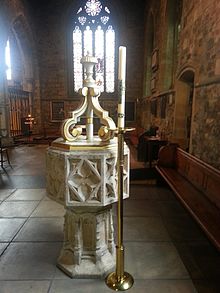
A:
[4,156]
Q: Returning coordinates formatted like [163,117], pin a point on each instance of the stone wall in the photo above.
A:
[200,37]
[206,124]
[196,64]
[40,28]
[52,41]
[156,17]
[199,48]
[197,51]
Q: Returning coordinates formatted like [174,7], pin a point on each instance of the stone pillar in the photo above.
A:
[84,180]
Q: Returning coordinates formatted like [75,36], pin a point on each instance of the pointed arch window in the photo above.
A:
[173,15]
[8,60]
[94,33]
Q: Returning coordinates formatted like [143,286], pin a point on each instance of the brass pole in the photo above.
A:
[120,280]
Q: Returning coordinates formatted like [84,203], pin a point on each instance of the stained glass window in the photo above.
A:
[77,53]
[94,33]
[110,58]
[99,53]
[87,38]
[93,7]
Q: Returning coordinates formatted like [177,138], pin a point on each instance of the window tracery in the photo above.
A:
[94,33]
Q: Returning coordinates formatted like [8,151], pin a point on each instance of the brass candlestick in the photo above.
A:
[120,280]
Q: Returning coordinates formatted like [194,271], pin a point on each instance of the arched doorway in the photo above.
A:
[183,114]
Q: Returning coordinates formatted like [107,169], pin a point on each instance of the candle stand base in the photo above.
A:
[119,284]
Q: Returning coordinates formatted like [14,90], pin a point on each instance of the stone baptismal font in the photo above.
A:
[82,176]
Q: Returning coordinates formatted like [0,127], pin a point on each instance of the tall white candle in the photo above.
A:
[121,86]
[122,63]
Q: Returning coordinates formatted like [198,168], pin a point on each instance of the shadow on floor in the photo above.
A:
[143,174]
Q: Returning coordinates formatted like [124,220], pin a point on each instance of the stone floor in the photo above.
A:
[165,251]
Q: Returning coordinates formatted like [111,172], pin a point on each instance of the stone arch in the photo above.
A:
[19,30]
[172,15]
[183,112]
[23,40]
[149,47]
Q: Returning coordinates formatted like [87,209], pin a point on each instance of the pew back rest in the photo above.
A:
[203,176]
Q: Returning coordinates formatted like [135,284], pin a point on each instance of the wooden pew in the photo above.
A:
[197,186]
